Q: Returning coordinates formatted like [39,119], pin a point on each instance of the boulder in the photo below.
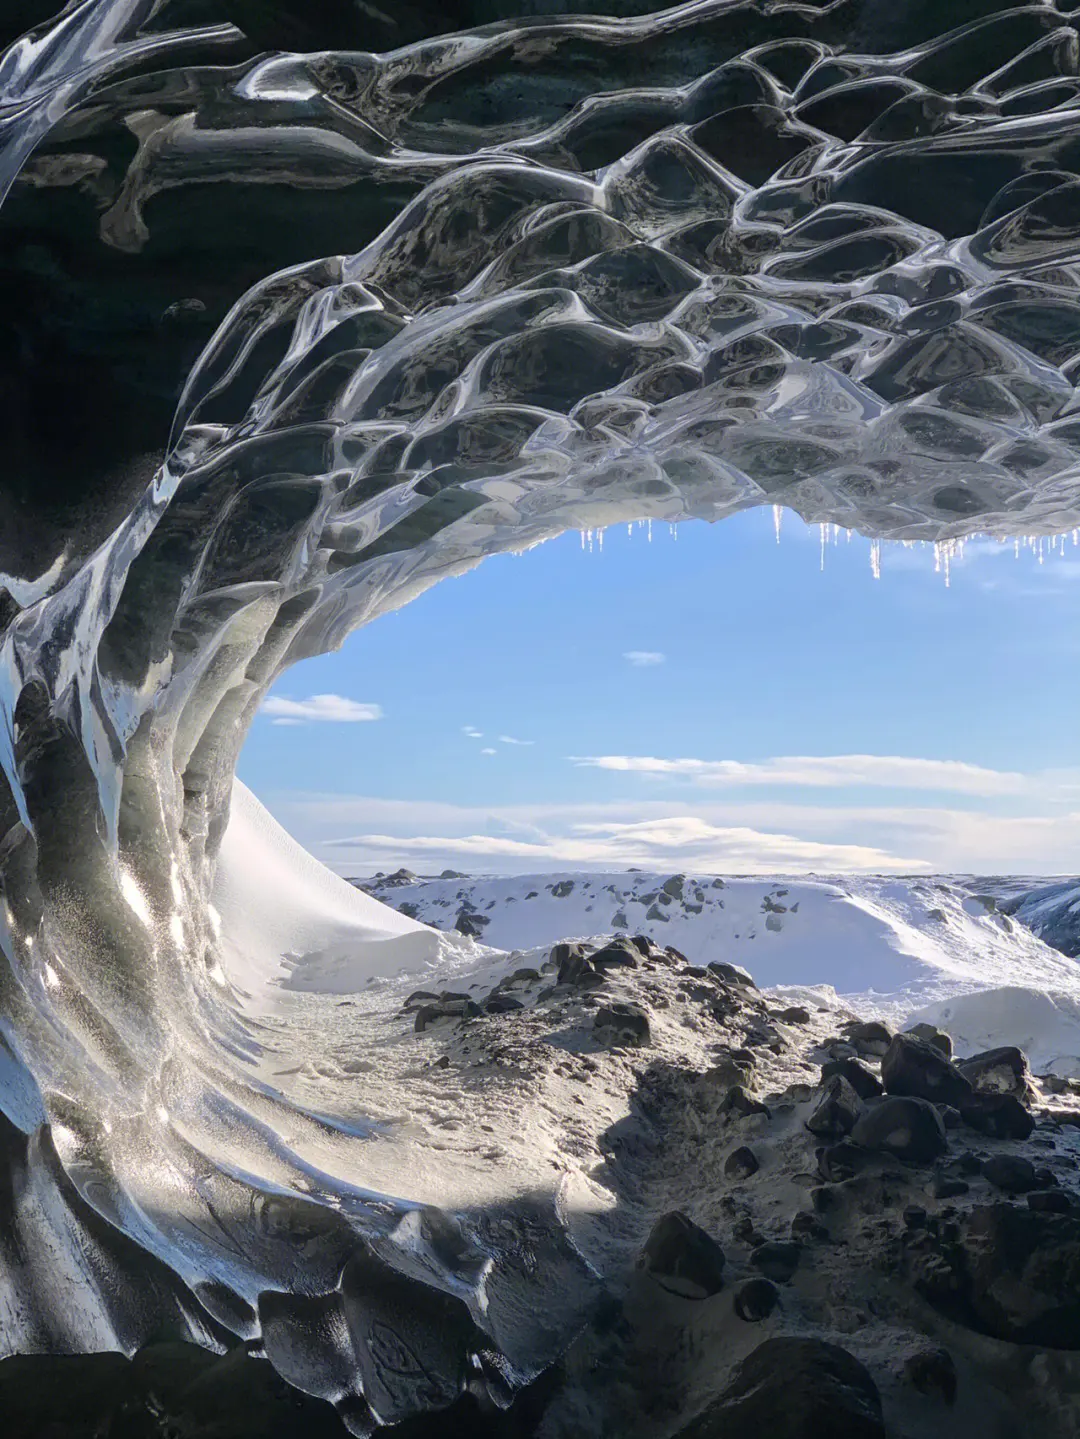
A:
[1051,1201]
[614,956]
[741,1163]
[997,1071]
[870,1037]
[904,1126]
[913,1068]
[777,1259]
[737,1102]
[794,1014]
[793,1388]
[1011,1173]
[682,1258]
[616,1026]
[930,1034]
[1010,1272]
[998,1116]
[932,1372]
[836,1111]
[501,1004]
[860,1076]
[444,1013]
[756,1300]
[731,974]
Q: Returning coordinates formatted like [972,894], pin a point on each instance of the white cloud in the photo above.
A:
[642,659]
[319,709]
[684,840]
[825,771]
[472,731]
[509,739]
[487,750]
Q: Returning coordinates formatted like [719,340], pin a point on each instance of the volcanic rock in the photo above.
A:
[870,1037]
[792,1388]
[777,1259]
[836,1111]
[932,1372]
[444,1013]
[682,1258]
[860,1076]
[794,1014]
[501,1004]
[916,1069]
[999,1116]
[1011,1173]
[618,1025]
[756,1300]
[739,1103]
[930,1034]
[904,1126]
[741,1163]
[731,974]
[614,956]
[1051,1201]
[998,1071]
[1010,1272]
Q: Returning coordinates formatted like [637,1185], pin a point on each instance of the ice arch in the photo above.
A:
[580,271]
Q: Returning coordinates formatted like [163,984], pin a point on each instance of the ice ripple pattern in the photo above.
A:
[665,267]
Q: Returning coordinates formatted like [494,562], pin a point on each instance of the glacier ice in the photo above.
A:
[293,333]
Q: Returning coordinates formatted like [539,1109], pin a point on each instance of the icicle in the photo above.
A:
[648,530]
[777,518]
[875,559]
[824,529]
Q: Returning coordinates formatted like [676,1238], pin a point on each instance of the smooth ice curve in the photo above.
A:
[577,271]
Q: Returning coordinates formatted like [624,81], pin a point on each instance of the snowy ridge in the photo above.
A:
[889,946]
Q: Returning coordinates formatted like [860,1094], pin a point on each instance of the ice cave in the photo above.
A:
[306,307]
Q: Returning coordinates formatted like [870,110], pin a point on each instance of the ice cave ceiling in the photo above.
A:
[303,306]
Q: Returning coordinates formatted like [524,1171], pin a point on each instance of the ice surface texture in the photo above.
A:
[290,336]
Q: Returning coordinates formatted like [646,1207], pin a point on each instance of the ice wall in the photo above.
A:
[290,336]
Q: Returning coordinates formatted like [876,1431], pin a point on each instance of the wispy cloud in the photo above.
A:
[642,659]
[824,771]
[684,840]
[509,739]
[472,731]
[488,750]
[319,709]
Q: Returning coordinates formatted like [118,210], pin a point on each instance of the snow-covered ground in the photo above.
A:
[902,948]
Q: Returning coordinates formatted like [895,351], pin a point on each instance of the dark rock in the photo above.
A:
[417,999]
[947,1186]
[741,1163]
[454,1009]
[932,1372]
[997,1071]
[794,1014]
[845,1160]
[861,1077]
[614,956]
[805,1225]
[950,1117]
[777,1259]
[919,1071]
[870,1037]
[522,976]
[501,1004]
[576,969]
[915,1217]
[731,974]
[471,925]
[727,1071]
[682,1258]
[1010,1173]
[756,1300]
[642,943]
[1010,1272]
[562,889]
[616,1025]
[930,1034]
[791,1388]
[1051,1201]
[739,1103]
[999,1116]
[836,1111]
[904,1126]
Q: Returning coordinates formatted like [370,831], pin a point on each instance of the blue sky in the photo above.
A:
[710,699]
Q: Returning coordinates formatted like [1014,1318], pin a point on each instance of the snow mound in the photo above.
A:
[287,919]
[894,947]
